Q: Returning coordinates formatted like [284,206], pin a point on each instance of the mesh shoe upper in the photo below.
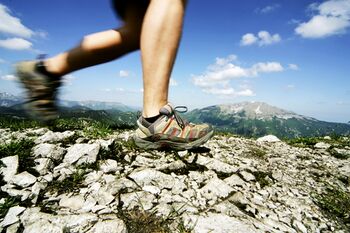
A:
[170,126]
[41,91]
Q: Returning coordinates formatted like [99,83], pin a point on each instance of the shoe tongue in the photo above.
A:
[166,110]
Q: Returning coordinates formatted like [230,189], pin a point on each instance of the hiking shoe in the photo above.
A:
[41,91]
[169,131]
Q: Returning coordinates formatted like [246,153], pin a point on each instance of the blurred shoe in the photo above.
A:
[41,91]
[170,131]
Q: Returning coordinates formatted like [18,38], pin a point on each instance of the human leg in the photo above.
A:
[100,47]
[160,36]
[42,79]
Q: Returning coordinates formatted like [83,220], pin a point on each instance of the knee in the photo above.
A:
[88,43]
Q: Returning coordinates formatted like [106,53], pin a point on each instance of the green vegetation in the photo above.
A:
[16,123]
[335,202]
[256,152]
[9,202]
[263,178]
[70,184]
[22,149]
[139,220]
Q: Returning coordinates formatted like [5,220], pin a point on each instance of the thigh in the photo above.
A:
[121,6]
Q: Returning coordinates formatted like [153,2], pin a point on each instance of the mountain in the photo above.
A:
[97,105]
[258,119]
[8,100]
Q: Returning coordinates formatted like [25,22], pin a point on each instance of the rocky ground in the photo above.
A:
[66,182]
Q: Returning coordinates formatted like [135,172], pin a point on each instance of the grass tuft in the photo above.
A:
[334,202]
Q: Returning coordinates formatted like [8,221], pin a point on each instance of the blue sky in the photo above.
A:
[290,54]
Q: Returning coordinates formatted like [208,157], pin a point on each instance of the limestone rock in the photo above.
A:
[74,202]
[12,216]
[46,150]
[152,177]
[23,179]
[322,145]
[268,138]
[137,199]
[234,180]
[217,223]
[43,165]
[109,166]
[51,137]
[9,168]
[82,153]
[109,226]
[216,188]
[247,176]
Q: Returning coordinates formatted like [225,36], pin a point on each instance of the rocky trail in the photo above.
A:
[66,182]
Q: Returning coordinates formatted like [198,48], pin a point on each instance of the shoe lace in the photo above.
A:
[180,109]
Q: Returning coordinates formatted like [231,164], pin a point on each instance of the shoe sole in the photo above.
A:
[167,144]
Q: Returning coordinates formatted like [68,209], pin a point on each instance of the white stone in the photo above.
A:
[104,197]
[152,177]
[12,216]
[234,180]
[182,153]
[327,138]
[109,226]
[82,153]
[217,223]
[63,170]
[137,199]
[216,165]
[43,226]
[43,165]
[105,144]
[76,223]
[217,188]
[50,137]
[322,145]
[151,189]
[9,168]
[268,138]
[13,228]
[89,204]
[47,150]
[93,176]
[23,179]
[247,176]
[109,166]
[74,202]
[299,226]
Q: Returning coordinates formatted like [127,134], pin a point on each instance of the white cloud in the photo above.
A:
[173,82]
[9,77]
[216,78]
[2,61]
[68,79]
[124,73]
[268,9]
[265,67]
[343,103]
[263,38]
[248,39]
[16,44]
[12,25]
[332,18]
[290,87]
[228,92]
[293,67]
